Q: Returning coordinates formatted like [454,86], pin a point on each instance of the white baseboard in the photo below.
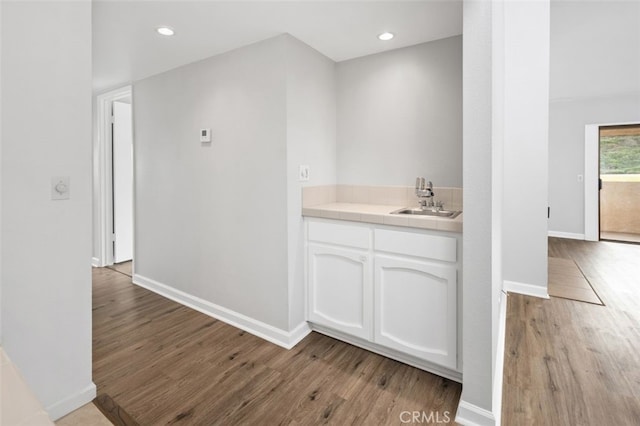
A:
[286,339]
[72,403]
[472,415]
[95,262]
[569,235]
[526,289]
[298,333]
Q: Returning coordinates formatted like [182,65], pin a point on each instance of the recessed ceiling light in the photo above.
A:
[165,31]
[386,36]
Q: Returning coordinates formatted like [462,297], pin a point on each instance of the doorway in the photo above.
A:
[114,178]
[122,185]
[619,177]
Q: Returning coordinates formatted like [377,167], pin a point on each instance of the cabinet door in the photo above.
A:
[415,308]
[340,289]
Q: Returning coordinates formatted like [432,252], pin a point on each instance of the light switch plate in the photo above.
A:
[304,173]
[60,187]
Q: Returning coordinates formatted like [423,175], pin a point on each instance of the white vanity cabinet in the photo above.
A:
[393,289]
[416,294]
[339,289]
[339,277]
[415,308]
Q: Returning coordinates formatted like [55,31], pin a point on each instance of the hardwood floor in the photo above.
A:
[574,363]
[566,280]
[566,362]
[123,267]
[112,412]
[167,364]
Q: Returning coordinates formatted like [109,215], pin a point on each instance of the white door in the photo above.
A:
[340,290]
[415,309]
[122,183]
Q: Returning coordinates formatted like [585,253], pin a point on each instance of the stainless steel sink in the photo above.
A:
[449,214]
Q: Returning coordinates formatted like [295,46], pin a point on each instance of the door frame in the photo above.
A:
[103,175]
[591,176]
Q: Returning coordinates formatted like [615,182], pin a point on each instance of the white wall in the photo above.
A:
[476,404]
[46,245]
[95,188]
[526,127]
[211,220]
[567,150]
[400,116]
[96,255]
[594,48]
[1,133]
[222,222]
[311,140]
[505,82]
[595,79]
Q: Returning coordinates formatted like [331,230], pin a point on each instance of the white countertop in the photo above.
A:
[381,214]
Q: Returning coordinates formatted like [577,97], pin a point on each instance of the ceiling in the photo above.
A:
[126,47]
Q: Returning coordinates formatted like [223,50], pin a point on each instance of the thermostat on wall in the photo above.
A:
[205,135]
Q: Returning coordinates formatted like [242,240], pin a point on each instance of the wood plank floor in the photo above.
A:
[566,280]
[574,363]
[566,362]
[166,364]
[123,267]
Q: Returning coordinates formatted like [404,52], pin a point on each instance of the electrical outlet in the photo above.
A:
[303,176]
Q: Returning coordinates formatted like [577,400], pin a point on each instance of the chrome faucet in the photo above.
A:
[424,192]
